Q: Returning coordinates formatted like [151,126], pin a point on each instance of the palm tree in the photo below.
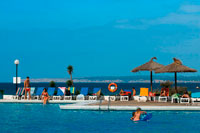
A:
[70,71]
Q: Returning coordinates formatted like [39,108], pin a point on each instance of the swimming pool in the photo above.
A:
[49,118]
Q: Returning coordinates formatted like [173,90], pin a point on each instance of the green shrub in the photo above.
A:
[166,84]
[157,91]
[52,84]
[181,90]
[55,92]
[77,92]
[69,83]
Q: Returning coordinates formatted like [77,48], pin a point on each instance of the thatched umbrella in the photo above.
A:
[149,66]
[175,67]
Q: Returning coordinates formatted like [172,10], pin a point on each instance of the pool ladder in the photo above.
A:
[100,103]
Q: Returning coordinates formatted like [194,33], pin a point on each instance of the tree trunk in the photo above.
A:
[151,81]
[71,79]
[176,83]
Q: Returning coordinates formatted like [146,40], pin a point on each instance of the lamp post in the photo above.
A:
[16,63]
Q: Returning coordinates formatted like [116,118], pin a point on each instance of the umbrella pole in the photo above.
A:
[176,82]
[151,82]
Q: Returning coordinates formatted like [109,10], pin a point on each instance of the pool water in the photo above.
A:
[49,118]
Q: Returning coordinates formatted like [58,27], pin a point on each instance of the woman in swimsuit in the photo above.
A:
[137,114]
[185,95]
[46,96]
[163,92]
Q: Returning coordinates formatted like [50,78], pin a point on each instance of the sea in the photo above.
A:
[10,88]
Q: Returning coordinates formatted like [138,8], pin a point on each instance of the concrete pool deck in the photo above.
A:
[51,101]
[130,105]
[128,108]
[114,105]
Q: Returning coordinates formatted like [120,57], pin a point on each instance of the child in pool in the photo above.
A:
[137,114]
[46,96]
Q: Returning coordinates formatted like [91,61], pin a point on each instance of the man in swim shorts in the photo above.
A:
[27,88]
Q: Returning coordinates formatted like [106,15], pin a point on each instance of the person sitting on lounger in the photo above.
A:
[185,95]
[46,96]
[137,114]
[163,92]
[134,91]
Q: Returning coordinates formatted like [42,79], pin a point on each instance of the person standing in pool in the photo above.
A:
[45,96]
[27,88]
[137,114]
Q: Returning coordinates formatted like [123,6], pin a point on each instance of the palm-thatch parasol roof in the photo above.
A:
[175,67]
[149,66]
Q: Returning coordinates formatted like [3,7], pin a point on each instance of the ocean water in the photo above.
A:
[33,118]
[9,88]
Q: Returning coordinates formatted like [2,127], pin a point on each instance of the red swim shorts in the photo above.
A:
[28,89]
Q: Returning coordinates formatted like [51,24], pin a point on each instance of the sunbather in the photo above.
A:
[163,92]
[46,96]
[137,114]
[185,95]
[134,91]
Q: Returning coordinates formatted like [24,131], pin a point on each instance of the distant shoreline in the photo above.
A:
[104,81]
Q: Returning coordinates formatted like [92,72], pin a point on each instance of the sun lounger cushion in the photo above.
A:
[61,91]
[84,91]
[97,91]
[20,91]
[144,91]
[39,91]
[51,91]
[195,95]
[72,90]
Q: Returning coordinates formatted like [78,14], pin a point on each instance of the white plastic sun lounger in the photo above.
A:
[184,100]
[162,99]
[195,97]
[19,93]
[112,98]
[124,98]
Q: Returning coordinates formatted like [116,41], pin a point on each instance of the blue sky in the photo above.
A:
[99,38]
